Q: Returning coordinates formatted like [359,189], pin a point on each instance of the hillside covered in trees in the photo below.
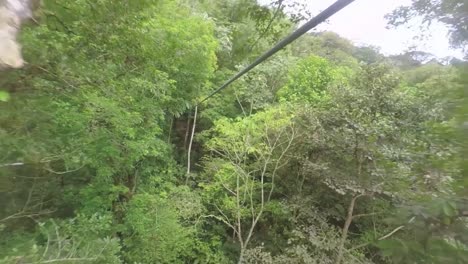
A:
[326,153]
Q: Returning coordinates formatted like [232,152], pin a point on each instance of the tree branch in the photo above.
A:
[344,233]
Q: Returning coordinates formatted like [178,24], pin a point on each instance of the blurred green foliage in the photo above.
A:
[325,152]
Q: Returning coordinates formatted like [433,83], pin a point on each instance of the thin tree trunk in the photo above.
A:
[344,234]
[241,256]
[190,144]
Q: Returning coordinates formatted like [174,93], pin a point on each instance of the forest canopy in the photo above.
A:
[328,152]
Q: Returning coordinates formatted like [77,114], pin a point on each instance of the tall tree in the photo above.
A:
[450,12]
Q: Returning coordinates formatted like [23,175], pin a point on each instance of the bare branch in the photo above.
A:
[12,164]
[190,144]
[240,104]
[362,215]
[226,219]
[64,260]
[396,229]
[391,233]
[344,233]
[270,23]
[229,190]
[62,172]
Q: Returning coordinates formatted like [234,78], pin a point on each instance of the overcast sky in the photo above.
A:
[364,23]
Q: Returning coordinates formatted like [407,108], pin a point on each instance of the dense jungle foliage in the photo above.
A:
[326,153]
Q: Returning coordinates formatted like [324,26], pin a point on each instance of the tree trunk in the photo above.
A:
[344,233]
[241,256]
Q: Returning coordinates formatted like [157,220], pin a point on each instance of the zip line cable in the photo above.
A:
[320,18]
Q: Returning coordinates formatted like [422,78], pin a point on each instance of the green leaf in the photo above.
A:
[4,96]
[389,247]
[448,209]
[340,209]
